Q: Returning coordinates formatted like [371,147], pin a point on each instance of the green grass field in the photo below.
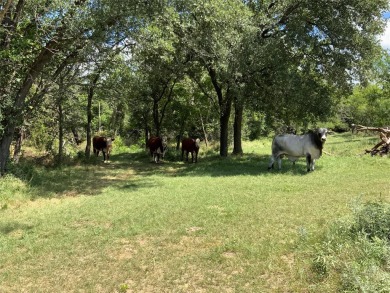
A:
[221,225]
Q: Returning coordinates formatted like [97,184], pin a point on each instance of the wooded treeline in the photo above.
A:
[188,67]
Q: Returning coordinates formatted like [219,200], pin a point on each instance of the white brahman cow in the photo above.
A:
[309,145]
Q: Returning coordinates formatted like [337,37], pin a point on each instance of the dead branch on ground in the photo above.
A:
[383,146]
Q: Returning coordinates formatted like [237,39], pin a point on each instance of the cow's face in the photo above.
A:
[108,141]
[322,132]
[197,143]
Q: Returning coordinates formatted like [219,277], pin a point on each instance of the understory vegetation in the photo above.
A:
[221,225]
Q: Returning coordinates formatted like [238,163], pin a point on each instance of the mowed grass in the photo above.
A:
[221,225]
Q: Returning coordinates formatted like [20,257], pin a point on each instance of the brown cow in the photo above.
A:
[190,145]
[103,144]
[157,147]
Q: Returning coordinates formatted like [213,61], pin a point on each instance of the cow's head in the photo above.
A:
[322,132]
[197,143]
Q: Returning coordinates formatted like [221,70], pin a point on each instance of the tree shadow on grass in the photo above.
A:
[248,165]
[132,171]
[211,165]
[9,227]
[88,178]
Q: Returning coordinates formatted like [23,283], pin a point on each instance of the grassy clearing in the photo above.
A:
[222,225]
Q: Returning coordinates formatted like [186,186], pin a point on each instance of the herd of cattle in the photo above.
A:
[292,146]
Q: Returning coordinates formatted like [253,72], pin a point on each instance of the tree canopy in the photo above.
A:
[289,62]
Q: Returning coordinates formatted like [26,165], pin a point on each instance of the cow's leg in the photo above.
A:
[308,162]
[187,156]
[196,157]
[280,162]
[192,157]
[312,164]
[104,156]
[271,163]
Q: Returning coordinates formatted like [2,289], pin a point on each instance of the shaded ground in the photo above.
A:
[130,171]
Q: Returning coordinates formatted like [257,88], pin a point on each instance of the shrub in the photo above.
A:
[119,146]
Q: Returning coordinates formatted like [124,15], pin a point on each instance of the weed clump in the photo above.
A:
[355,252]
[373,221]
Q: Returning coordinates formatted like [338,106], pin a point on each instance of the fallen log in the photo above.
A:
[384,143]
[380,129]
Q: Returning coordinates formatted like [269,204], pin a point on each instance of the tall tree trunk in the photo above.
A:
[89,114]
[238,113]
[147,136]
[204,130]
[4,148]
[156,119]
[179,137]
[18,144]
[225,106]
[224,128]
[76,136]
[60,132]
[89,123]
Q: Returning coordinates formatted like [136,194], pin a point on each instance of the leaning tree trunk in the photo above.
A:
[14,118]
[238,113]
[4,10]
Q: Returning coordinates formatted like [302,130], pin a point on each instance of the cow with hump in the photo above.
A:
[102,144]
[190,145]
[157,146]
[309,145]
